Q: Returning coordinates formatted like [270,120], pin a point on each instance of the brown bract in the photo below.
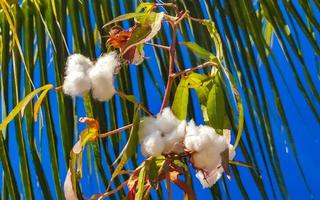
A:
[118,38]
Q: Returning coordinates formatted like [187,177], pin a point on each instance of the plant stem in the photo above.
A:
[172,52]
[103,135]
[206,64]
[159,46]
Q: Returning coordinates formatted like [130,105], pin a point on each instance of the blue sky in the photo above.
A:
[304,127]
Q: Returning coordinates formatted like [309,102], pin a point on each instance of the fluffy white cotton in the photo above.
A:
[209,178]
[206,147]
[153,144]
[67,187]
[101,76]
[202,137]
[78,63]
[162,135]
[76,81]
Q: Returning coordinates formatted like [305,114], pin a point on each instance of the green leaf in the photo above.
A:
[239,163]
[38,103]
[142,175]
[215,36]
[155,165]
[240,122]
[216,106]
[22,104]
[197,80]
[235,92]
[199,51]
[268,32]
[124,17]
[145,7]
[181,98]
[146,28]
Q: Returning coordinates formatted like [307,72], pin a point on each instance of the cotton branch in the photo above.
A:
[172,52]
[103,135]
[206,64]
[159,46]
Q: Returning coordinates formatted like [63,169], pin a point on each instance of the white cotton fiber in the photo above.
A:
[206,147]
[162,135]
[101,76]
[76,81]
[78,63]
[203,137]
[76,84]
[153,145]
[174,138]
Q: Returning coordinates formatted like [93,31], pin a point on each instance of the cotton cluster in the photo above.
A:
[166,134]
[82,75]
[162,134]
[206,147]
[76,81]
[101,76]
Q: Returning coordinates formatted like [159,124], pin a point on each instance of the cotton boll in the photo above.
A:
[174,139]
[147,126]
[151,139]
[76,84]
[166,121]
[162,135]
[191,140]
[78,63]
[206,146]
[210,139]
[153,144]
[172,129]
[203,137]
[101,76]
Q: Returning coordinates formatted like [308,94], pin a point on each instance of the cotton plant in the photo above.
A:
[162,134]
[82,76]
[169,140]
[76,82]
[206,147]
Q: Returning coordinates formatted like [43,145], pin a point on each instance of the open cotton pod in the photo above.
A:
[102,75]
[162,134]
[207,148]
[76,81]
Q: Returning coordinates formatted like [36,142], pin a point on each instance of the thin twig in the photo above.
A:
[107,134]
[58,88]
[106,194]
[196,19]
[167,48]
[206,64]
